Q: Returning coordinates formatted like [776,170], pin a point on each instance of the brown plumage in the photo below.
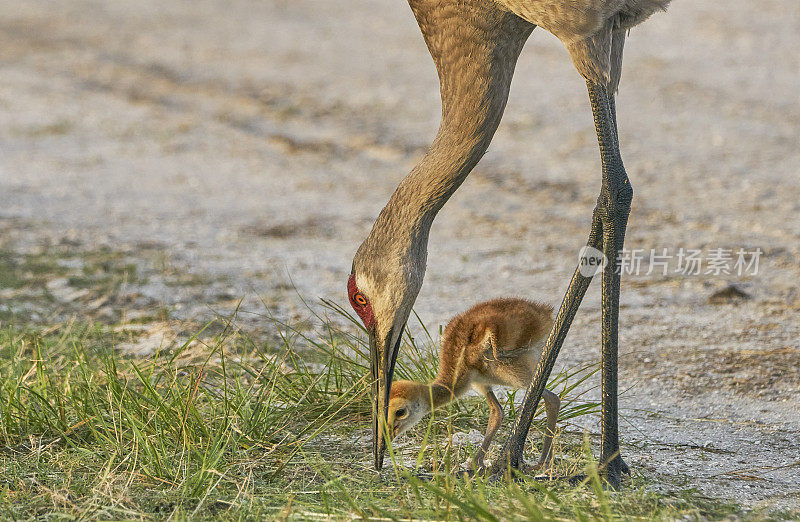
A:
[495,343]
[475,45]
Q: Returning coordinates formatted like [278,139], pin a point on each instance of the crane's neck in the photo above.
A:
[475,47]
[455,151]
[404,224]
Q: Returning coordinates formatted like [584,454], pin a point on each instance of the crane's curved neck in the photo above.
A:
[475,47]
[455,151]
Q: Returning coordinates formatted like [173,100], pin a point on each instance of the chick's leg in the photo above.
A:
[495,419]
[552,404]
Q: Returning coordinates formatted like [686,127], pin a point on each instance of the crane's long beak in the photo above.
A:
[383,354]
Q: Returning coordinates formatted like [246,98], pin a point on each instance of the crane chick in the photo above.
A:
[497,342]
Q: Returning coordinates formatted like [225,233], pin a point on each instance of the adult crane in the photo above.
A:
[475,45]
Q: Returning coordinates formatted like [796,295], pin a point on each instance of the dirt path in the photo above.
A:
[245,141]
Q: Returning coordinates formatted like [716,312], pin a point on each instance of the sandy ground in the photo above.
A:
[250,141]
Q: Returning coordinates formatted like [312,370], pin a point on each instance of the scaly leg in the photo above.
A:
[615,204]
[514,446]
[607,233]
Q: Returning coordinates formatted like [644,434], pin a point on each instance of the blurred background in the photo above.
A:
[161,161]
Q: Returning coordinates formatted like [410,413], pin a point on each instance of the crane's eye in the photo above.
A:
[399,414]
[360,299]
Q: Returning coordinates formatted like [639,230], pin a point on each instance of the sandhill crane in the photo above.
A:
[495,343]
[475,45]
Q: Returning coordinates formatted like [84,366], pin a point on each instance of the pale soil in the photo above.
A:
[249,141]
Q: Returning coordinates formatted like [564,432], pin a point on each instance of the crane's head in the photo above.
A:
[382,293]
[409,402]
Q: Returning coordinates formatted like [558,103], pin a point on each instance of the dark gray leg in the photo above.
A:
[514,446]
[614,204]
[607,234]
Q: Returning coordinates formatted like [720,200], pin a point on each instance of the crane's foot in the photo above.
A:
[623,466]
[542,471]
[535,472]
[517,470]
[614,470]
[540,468]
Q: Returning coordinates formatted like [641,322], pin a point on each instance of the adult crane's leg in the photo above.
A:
[614,204]
[607,233]
[511,455]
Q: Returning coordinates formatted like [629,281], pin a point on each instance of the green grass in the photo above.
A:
[223,426]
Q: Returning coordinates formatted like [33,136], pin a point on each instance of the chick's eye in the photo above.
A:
[400,413]
[360,299]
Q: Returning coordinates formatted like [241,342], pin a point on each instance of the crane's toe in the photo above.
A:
[614,471]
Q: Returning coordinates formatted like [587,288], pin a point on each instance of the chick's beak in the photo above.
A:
[383,354]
